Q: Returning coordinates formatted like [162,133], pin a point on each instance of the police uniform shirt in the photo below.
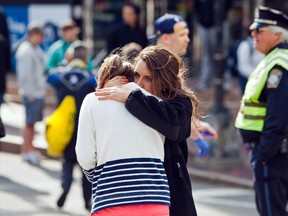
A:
[275,95]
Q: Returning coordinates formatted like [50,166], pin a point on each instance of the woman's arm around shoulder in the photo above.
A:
[165,116]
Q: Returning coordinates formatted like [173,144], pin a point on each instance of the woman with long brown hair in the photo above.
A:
[162,73]
[120,155]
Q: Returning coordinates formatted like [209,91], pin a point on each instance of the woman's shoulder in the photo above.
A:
[183,100]
[91,96]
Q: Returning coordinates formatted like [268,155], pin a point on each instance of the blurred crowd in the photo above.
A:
[69,68]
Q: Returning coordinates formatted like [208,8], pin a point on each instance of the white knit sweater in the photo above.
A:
[120,155]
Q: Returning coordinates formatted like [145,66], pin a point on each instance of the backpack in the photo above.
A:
[232,61]
[60,126]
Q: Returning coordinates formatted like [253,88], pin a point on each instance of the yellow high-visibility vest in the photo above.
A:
[252,112]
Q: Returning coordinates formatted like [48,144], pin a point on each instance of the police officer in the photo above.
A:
[263,115]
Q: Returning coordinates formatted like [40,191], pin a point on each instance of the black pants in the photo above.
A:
[69,161]
[67,179]
[271,185]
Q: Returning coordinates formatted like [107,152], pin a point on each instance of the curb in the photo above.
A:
[12,144]
[219,178]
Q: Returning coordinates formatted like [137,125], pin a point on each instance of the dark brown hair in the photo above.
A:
[168,75]
[114,65]
[130,51]
[80,51]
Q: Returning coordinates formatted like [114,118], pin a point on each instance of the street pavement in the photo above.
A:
[32,190]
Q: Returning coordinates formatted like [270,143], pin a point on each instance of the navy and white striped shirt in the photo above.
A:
[129,181]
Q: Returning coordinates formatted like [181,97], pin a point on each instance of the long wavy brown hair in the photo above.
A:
[114,65]
[168,75]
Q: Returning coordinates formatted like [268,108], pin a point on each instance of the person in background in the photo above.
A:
[78,82]
[113,142]
[56,53]
[242,58]
[5,63]
[208,39]
[31,81]
[51,35]
[68,58]
[171,32]
[248,58]
[161,73]
[207,32]
[129,31]
[130,51]
[263,118]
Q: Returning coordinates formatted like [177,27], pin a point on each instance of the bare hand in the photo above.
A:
[194,133]
[119,94]
[116,81]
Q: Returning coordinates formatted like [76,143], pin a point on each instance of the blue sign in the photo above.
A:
[17,18]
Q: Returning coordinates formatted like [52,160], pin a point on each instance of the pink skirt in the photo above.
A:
[135,210]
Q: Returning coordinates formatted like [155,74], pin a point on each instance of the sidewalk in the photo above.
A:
[29,190]
[12,114]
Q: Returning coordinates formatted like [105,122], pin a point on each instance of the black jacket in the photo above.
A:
[124,35]
[5,63]
[171,118]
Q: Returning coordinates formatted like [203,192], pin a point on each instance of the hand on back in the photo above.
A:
[119,94]
[116,81]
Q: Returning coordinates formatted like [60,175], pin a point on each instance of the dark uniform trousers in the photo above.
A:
[270,183]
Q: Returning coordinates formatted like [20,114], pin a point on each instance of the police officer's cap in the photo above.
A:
[265,16]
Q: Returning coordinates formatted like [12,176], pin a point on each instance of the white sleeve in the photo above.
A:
[86,135]
[24,65]
[244,58]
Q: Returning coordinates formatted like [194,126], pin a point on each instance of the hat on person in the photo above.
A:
[35,28]
[68,24]
[165,25]
[265,16]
